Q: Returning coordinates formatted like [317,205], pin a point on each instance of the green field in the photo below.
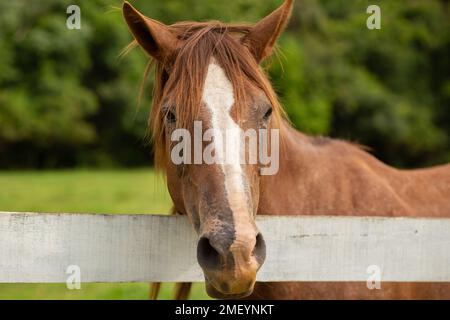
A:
[118,192]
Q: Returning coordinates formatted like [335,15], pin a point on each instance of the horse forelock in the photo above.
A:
[179,82]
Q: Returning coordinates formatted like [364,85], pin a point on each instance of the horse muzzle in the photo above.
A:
[230,271]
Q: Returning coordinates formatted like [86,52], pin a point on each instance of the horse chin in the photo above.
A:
[216,294]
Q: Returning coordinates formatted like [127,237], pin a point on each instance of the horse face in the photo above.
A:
[220,193]
[214,182]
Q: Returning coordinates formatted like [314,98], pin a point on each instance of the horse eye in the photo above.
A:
[268,114]
[170,117]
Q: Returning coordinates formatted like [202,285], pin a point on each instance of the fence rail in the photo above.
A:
[128,248]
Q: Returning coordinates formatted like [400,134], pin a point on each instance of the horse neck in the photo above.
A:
[331,177]
[282,192]
[324,176]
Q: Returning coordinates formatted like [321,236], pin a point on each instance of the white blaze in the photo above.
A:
[218,96]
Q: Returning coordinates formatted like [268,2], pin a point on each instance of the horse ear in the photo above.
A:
[262,37]
[153,36]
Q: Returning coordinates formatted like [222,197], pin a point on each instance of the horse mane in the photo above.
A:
[181,92]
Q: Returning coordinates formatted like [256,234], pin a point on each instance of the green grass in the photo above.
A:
[105,191]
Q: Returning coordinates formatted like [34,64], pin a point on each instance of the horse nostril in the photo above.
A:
[259,252]
[207,255]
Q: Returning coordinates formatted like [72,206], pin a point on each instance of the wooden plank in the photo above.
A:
[127,248]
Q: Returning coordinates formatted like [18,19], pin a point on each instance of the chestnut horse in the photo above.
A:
[210,72]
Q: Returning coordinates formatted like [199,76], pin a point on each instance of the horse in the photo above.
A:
[211,72]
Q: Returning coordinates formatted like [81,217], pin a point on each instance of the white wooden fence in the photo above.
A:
[127,248]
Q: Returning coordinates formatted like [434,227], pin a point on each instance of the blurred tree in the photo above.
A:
[382,88]
[67,99]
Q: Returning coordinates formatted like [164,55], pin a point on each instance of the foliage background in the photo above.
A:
[68,100]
